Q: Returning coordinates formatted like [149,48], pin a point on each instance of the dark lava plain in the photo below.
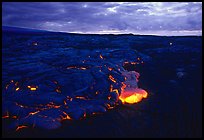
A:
[172,78]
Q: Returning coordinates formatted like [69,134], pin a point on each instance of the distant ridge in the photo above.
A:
[21,30]
[13,29]
[30,31]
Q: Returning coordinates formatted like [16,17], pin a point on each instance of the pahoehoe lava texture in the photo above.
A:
[63,84]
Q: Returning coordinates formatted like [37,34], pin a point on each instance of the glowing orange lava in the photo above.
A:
[110,69]
[17,88]
[80,97]
[130,93]
[20,127]
[32,88]
[112,79]
[67,117]
[133,96]
[101,56]
[33,113]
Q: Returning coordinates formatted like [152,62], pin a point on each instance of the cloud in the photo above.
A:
[98,16]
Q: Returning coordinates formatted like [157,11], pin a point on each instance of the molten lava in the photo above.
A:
[133,95]
[32,88]
[20,127]
[130,93]
[112,79]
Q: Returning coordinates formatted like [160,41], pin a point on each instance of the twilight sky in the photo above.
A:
[155,18]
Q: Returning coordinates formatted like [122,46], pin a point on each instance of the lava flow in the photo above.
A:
[130,93]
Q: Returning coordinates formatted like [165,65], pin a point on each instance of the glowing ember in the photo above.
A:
[116,90]
[65,103]
[112,79]
[58,91]
[67,117]
[14,117]
[84,115]
[109,106]
[109,97]
[32,88]
[82,68]
[101,56]
[5,117]
[20,127]
[33,113]
[17,88]
[80,97]
[133,63]
[52,105]
[110,69]
[111,88]
[70,67]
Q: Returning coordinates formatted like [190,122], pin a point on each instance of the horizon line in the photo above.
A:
[117,32]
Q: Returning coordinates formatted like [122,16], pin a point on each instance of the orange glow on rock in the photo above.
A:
[111,88]
[33,113]
[5,117]
[52,105]
[109,106]
[17,88]
[101,56]
[71,67]
[67,117]
[84,115]
[109,97]
[58,91]
[80,97]
[32,88]
[65,103]
[110,69]
[14,117]
[82,68]
[112,79]
[133,63]
[20,127]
